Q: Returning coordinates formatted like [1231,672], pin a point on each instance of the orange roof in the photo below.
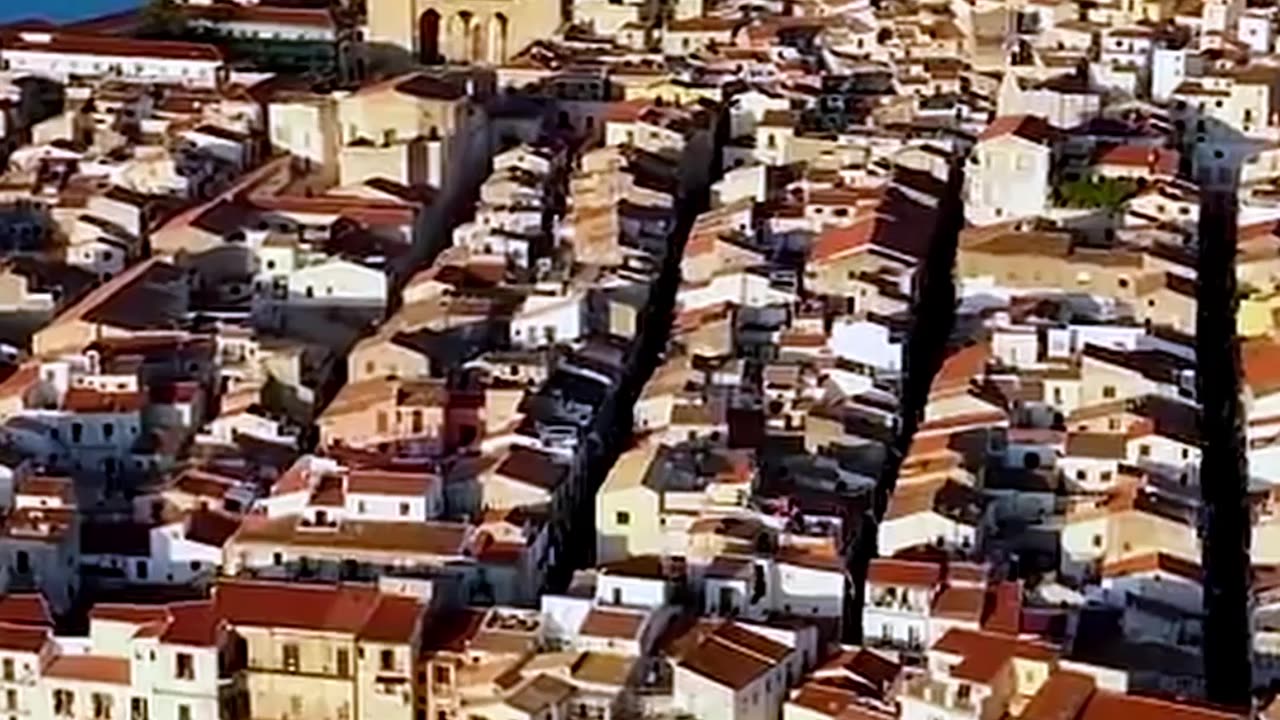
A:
[1260,360]
[837,242]
[961,367]
[960,603]
[887,571]
[1027,127]
[355,609]
[613,624]
[1109,705]
[89,400]
[984,653]
[23,638]
[90,668]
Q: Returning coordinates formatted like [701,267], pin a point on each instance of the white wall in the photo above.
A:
[60,66]
[866,343]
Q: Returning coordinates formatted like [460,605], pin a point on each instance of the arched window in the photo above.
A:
[498,29]
[429,37]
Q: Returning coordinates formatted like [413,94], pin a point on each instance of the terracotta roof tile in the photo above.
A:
[887,571]
[1027,127]
[105,45]
[353,609]
[613,624]
[23,638]
[25,609]
[985,653]
[394,620]
[90,668]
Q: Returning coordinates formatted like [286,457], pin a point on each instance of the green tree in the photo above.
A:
[162,19]
[1109,193]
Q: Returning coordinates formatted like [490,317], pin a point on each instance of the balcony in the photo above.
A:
[940,694]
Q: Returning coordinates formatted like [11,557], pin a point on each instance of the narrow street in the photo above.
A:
[1225,520]
[579,550]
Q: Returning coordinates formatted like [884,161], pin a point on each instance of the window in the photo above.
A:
[108,430]
[1097,541]
[138,709]
[77,432]
[101,706]
[290,657]
[8,669]
[1109,391]
[64,703]
[277,559]
[11,699]
[344,662]
[140,569]
[404,509]
[440,675]
[622,517]
[184,712]
[1144,450]
[185,666]
[387,660]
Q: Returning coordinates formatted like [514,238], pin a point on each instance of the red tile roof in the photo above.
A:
[23,638]
[886,571]
[451,631]
[613,624]
[310,17]
[960,603]
[195,624]
[1109,706]
[961,367]
[90,668]
[1260,360]
[107,46]
[1005,613]
[837,242]
[394,620]
[984,653]
[389,482]
[1027,127]
[135,614]
[25,609]
[89,400]
[354,609]
[1061,697]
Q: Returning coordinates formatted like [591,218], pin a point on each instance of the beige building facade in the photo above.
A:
[477,31]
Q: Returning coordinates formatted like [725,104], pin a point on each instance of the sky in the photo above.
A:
[61,10]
